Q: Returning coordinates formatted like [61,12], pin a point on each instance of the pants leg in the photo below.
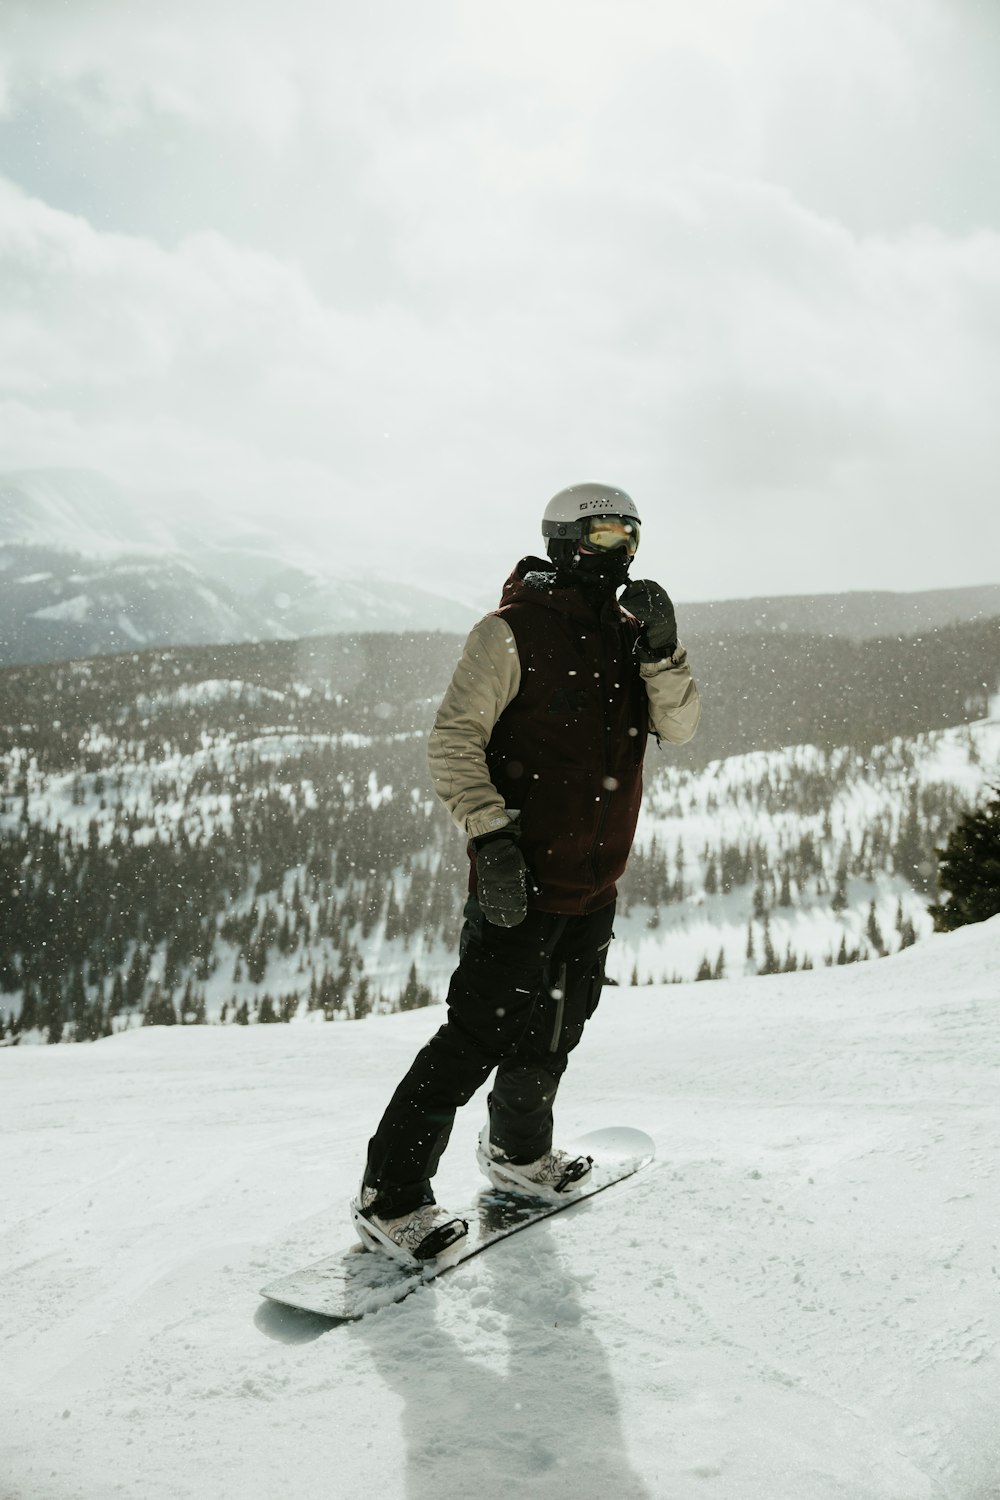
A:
[490,1000]
[526,1083]
[500,1006]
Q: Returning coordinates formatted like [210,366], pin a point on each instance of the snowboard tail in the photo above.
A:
[346,1286]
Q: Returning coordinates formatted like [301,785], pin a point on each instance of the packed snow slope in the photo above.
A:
[797,1301]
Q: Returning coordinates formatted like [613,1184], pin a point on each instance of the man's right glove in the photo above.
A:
[651,605]
[501,878]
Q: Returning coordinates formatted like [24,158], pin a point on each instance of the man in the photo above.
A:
[537,753]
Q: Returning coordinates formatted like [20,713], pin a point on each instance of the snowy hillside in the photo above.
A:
[799,1301]
[277,862]
[784,858]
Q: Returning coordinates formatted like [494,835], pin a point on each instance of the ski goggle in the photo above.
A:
[606,533]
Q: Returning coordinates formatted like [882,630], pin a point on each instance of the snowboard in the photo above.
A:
[356,1281]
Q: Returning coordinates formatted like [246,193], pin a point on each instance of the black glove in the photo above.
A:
[501,878]
[650,603]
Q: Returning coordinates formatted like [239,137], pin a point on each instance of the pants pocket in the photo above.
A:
[597,979]
[472,928]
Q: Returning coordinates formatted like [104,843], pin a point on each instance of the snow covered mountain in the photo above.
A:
[88,569]
[798,1301]
[81,511]
[57,605]
[208,578]
[308,603]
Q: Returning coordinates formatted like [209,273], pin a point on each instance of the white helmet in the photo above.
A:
[569,516]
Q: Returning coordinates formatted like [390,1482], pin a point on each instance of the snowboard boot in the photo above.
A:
[554,1177]
[427,1233]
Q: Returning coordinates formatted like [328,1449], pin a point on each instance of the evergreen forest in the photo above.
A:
[248,833]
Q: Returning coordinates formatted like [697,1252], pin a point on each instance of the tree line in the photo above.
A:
[253,817]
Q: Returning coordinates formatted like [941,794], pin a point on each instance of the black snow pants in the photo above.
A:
[518,1002]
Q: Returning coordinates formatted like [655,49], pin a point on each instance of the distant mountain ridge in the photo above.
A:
[87,569]
[856,616]
[56,605]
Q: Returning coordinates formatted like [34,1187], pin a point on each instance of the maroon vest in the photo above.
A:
[568,751]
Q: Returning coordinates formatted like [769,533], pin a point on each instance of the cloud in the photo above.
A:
[440,261]
[208,367]
[197,63]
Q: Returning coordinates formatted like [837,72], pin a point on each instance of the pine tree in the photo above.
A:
[362,1000]
[874,931]
[29,1009]
[51,1015]
[771,964]
[411,998]
[159,1008]
[193,1006]
[839,902]
[969,869]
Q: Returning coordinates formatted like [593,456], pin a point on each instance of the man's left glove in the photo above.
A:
[501,878]
[651,605]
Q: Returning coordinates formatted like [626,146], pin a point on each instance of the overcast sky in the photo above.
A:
[403,270]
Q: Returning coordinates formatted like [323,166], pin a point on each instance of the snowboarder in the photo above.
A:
[537,752]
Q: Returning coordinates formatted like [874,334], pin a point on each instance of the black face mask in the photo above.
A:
[601,574]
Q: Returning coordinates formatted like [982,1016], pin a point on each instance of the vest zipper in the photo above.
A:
[605,793]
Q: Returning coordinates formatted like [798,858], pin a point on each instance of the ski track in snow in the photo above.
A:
[797,1301]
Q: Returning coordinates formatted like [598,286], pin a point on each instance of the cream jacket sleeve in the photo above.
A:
[486,680]
[674,704]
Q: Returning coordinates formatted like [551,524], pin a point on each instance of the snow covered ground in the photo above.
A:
[798,1301]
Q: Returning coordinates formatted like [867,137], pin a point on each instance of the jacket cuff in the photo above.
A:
[492,820]
[651,666]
